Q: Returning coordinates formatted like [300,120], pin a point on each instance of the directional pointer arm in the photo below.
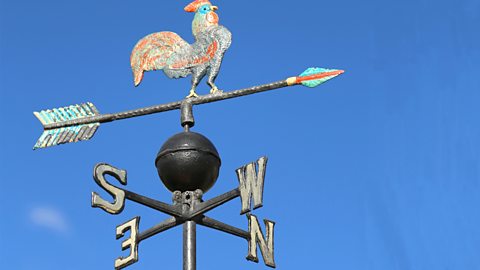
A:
[80,122]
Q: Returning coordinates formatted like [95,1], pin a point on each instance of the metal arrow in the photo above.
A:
[80,122]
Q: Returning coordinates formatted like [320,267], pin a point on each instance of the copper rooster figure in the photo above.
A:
[167,51]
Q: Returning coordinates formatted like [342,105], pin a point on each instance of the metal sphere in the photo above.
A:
[188,161]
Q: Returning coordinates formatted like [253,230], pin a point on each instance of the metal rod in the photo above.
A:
[154,204]
[215,202]
[161,227]
[186,116]
[189,245]
[218,225]
[169,106]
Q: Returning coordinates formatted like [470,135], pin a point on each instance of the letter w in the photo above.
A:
[251,178]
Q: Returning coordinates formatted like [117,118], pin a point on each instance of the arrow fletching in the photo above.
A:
[314,77]
[56,136]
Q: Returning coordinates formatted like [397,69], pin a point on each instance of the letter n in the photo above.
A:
[256,237]
[251,178]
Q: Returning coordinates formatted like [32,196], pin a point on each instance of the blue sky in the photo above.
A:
[378,169]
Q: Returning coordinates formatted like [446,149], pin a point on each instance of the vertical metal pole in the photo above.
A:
[189,245]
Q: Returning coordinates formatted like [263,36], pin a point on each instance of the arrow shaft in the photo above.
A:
[104,118]
[79,122]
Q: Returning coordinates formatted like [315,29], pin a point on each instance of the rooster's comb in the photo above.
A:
[192,7]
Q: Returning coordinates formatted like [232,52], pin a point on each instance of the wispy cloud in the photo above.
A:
[49,218]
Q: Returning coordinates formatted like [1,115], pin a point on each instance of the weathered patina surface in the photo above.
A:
[167,51]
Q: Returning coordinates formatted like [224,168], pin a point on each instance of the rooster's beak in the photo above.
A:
[214,8]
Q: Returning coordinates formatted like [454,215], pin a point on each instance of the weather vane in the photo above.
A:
[188,163]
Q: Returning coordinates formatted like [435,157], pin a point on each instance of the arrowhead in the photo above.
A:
[313,77]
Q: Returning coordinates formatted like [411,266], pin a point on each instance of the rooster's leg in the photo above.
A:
[214,69]
[192,94]
[214,89]
[195,81]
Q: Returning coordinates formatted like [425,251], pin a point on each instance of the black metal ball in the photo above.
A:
[188,161]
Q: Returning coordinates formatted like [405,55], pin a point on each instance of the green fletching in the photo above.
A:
[58,136]
[66,113]
[52,137]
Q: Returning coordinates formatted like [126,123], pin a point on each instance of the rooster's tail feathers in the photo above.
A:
[137,77]
[152,53]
